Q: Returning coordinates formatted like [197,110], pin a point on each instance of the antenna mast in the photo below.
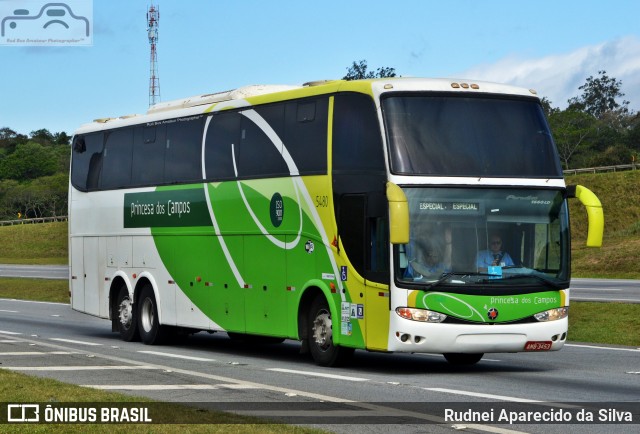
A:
[153,19]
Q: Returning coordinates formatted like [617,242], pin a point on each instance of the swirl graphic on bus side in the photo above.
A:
[464,309]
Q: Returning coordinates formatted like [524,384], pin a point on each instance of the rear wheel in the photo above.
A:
[125,318]
[151,332]
[463,359]
[320,338]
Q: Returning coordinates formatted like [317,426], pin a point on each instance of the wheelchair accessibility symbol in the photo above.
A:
[52,24]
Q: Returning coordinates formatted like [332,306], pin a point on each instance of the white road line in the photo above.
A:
[8,341]
[166,386]
[595,289]
[177,356]
[318,374]
[71,341]
[633,350]
[9,311]
[9,333]
[480,395]
[35,353]
[579,298]
[76,368]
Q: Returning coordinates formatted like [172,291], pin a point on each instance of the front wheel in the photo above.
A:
[125,317]
[463,359]
[320,338]
[151,332]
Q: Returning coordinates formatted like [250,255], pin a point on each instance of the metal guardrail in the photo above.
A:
[617,168]
[33,221]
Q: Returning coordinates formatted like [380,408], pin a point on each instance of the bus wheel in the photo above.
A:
[125,319]
[320,338]
[462,359]
[151,332]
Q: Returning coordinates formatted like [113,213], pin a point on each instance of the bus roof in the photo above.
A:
[201,103]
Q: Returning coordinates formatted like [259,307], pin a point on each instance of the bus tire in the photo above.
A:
[463,359]
[125,316]
[320,338]
[151,332]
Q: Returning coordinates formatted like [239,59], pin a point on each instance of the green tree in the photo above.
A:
[571,128]
[358,71]
[599,96]
[43,137]
[29,161]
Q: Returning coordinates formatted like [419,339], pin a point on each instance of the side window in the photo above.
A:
[357,145]
[183,146]
[306,124]
[223,135]
[116,159]
[148,155]
[260,155]
[86,161]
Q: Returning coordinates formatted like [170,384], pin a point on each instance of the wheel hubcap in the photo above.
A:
[322,333]
[125,313]
[147,315]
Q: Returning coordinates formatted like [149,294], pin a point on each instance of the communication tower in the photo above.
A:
[153,20]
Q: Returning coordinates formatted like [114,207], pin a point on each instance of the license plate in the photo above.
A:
[537,346]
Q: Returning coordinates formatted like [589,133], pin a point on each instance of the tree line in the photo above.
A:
[597,128]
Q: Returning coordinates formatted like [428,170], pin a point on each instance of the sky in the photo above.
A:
[208,46]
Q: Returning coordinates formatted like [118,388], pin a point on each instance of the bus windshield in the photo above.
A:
[496,238]
[454,135]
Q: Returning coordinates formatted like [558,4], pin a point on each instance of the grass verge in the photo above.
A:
[34,289]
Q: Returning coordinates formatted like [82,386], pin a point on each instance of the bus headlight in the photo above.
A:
[552,314]
[420,314]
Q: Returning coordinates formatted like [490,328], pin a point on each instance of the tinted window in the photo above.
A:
[86,161]
[222,134]
[260,151]
[306,124]
[455,135]
[183,150]
[148,155]
[357,144]
[116,159]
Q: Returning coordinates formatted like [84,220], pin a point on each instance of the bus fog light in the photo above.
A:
[422,315]
[552,314]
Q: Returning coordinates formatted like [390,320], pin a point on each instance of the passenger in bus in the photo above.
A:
[429,258]
[494,256]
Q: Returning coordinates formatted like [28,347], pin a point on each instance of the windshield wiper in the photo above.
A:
[541,279]
[446,276]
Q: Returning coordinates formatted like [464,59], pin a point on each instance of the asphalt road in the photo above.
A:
[51,340]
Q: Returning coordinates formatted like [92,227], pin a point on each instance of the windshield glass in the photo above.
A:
[490,237]
[462,135]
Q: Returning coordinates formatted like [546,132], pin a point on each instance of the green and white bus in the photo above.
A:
[296,212]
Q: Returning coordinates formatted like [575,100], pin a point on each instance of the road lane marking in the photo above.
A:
[633,350]
[36,353]
[165,386]
[9,311]
[596,289]
[76,368]
[9,341]
[318,374]
[480,395]
[177,356]
[9,333]
[71,341]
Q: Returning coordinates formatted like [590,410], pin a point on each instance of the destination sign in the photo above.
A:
[457,207]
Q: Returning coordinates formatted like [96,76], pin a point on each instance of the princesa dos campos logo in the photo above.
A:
[46,23]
